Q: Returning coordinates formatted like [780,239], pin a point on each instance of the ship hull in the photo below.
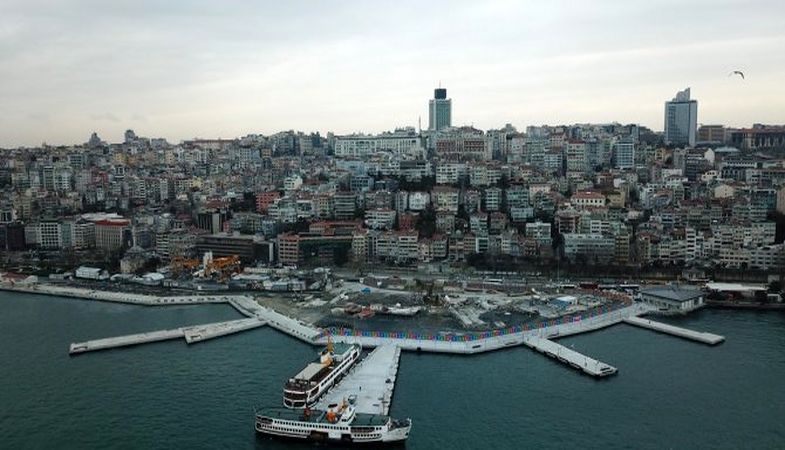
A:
[392,439]
[392,432]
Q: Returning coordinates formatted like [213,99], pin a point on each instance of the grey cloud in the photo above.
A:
[202,67]
[105,117]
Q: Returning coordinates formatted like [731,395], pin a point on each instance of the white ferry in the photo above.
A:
[316,378]
[340,423]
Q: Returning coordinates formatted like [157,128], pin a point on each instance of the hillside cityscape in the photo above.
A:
[430,225]
[693,200]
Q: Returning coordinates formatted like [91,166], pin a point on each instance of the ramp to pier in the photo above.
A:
[372,380]
[213,330]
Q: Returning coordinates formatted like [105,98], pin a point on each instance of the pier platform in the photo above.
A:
[192,335]
[568,356]
[698,336]
[372,380]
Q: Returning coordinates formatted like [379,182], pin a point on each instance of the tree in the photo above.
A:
[426,222]
[779,220]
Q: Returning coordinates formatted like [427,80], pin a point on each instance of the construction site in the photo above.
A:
[379,301]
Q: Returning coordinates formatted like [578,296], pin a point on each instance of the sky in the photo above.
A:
[210,69]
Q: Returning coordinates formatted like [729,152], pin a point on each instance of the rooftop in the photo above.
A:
[672,293]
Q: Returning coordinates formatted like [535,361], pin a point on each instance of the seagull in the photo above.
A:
[737,72]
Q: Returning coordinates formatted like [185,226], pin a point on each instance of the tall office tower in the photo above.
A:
[439,110]
[681,119]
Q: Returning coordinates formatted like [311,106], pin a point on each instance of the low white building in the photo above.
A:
[672,299]
[91,273]
[419,201]
[380,218]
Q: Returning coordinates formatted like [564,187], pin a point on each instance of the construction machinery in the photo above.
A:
[179,265]
[222,268]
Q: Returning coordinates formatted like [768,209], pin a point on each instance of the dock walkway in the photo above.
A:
[698,336]
[568,356]
[372,380]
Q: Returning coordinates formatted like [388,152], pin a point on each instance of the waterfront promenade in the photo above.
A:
[471,343]
[110,296]
[460,343]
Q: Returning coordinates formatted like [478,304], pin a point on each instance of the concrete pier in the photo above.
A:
[372,380]
[125,341]
[213,330]
[568,356]
[698,336]
[192,335]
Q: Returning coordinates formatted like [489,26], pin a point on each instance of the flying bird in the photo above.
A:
[737,72]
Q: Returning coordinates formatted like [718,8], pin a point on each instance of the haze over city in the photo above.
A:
[206,69]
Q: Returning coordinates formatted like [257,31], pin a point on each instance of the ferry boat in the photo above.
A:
[339,423]
[316,378]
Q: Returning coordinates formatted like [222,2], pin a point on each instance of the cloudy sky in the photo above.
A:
[184,69]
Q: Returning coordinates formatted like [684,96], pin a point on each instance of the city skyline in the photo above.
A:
[183,71]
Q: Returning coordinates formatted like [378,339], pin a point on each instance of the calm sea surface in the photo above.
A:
[669,393]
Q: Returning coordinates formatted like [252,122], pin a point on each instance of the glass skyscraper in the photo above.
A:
[681,119]
[439,110]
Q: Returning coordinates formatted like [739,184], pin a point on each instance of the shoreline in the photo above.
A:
[451,343]
[112,296]
[540,337]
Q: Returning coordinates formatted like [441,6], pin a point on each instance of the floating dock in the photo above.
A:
[194,334]
[372,380]
[698,336]
[568,356]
